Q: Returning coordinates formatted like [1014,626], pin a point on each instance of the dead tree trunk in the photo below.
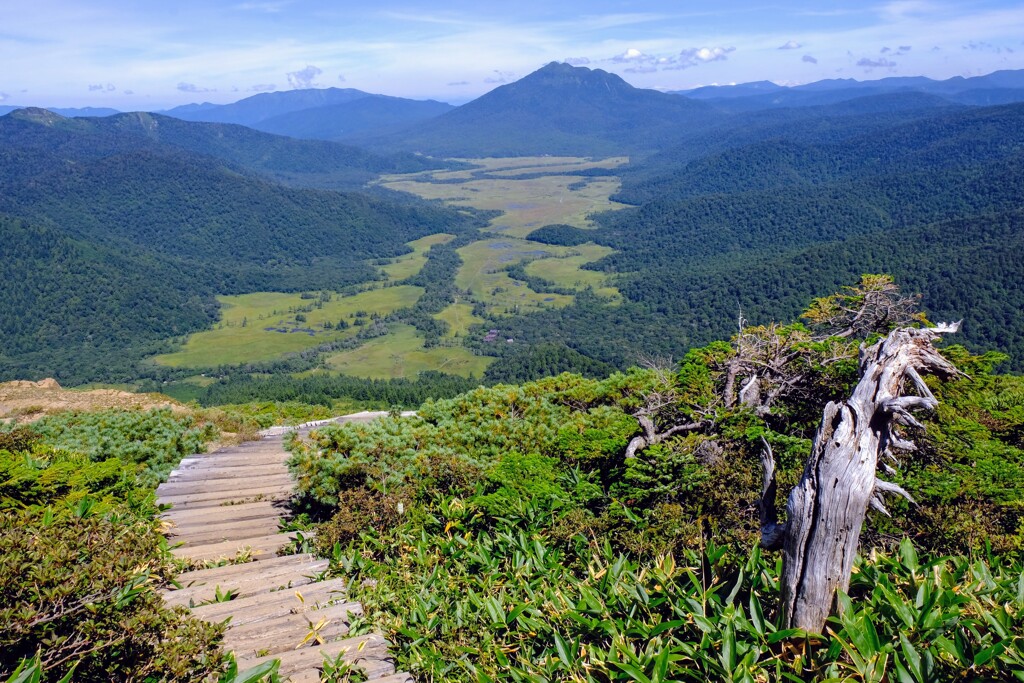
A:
[826,509]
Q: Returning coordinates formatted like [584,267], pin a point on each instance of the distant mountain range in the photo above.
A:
[65,111]
[322,114]
[561,109]
[1000,87]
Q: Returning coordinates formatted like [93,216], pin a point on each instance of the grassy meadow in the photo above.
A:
[408,265]
[251,325]
[400,353]
[565,271]
[527,203]
[459,317]
[482,274]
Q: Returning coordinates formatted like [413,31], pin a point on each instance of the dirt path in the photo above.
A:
[24,401]
[232,501]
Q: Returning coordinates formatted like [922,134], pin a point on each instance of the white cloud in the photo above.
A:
[695,56]
[577,61]
[99,87]
[500,77]
[341,78]
[903,9]
[192,87]
[790,45]
[641,62]
[304,78]
[809,59]
[457,83]
[262,87]
[876,63]
[631,55]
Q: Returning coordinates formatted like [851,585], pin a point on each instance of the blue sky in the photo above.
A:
[136,55]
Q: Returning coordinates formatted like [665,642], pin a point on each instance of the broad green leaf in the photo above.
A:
[986,655]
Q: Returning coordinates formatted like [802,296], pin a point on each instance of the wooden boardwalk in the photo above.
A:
[232,501]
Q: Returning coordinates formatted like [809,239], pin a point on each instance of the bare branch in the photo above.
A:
[896,489]
[773,534]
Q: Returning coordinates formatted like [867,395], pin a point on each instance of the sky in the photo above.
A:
[145,55]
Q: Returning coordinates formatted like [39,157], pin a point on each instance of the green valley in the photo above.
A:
[363,332]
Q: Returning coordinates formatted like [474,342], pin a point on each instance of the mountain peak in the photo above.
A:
[564,75]
[37,115]
[558,109]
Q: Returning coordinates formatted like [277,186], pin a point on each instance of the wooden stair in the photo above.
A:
[228,505]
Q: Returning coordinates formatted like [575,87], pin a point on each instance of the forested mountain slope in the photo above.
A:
[134,237]
[307,163]
[71,308]
[760,229]
[933,139]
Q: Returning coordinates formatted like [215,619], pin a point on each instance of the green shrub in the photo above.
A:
[361,511]
[515,478]
[80,588]
[62,479]
[81,557]
[153,440]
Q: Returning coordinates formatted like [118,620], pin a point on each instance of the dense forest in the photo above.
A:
[123,242]
[759,229]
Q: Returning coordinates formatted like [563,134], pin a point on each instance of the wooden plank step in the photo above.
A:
[207,593]
[298,562]
[260,605]
[193,531]
[369,652]
[207,533]
[269,567]
[286,631]
[235,460]
[258,546]
[213,515]
[263,452]
[284,578]
[188,486]
[209,473]
[215,498]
